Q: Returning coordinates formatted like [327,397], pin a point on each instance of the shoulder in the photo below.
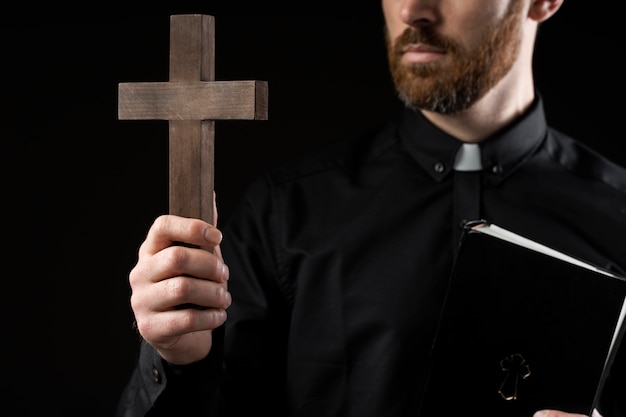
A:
[316,169]
[341,155]
[584,162]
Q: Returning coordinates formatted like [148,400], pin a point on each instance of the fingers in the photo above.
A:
[179,260]
[158,294]
[168,229]
[170,294]
[183,336]
[178,275]
[179,292]
[169,326]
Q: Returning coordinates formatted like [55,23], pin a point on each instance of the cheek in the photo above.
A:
[392,32]
[393,23]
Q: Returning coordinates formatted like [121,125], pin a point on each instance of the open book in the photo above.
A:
[523,328]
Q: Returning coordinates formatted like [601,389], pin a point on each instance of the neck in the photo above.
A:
[487,116]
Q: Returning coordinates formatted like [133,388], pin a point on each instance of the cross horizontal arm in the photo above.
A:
[195,100]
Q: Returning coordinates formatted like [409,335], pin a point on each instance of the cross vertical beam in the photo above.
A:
[192,58]
[191,102]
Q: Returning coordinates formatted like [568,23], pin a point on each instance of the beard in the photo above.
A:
[449,89]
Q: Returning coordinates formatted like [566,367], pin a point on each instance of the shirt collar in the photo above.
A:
[502,153]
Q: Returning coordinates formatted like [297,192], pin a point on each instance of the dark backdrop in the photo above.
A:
[80,187]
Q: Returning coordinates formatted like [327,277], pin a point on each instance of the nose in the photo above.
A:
[418,12]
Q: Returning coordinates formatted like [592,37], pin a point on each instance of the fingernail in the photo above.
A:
[213,235]
[225,272]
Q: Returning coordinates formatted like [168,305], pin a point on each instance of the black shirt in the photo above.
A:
[338,262]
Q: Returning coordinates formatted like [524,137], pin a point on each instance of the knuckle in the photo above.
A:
[176,257]
[144,328]
[159,227]
[161,223]
[134,302]
[178,289]
[133,277]
[185,320]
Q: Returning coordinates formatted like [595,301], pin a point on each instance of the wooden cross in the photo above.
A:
[191,102]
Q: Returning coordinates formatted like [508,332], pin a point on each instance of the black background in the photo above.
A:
[80,188]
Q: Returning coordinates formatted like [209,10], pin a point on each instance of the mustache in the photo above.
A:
[424,36]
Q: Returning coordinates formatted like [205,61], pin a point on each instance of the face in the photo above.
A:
[444,58]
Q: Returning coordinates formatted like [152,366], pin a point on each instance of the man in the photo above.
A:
[337,263]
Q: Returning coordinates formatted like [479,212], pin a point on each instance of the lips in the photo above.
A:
[419,53]
[423,48]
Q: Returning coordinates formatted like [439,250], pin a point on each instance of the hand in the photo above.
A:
[179,293]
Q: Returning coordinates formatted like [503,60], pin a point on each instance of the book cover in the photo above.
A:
[523,328]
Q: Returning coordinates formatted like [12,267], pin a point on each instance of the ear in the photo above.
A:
[541,10]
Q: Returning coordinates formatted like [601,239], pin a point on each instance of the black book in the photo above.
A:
[523,328]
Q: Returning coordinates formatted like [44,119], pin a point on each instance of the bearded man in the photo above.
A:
[333,268]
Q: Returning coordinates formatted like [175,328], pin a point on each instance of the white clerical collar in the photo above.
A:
[468,158]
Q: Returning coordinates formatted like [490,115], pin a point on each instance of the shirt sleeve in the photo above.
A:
[158,388]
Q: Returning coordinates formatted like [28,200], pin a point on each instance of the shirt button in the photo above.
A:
[497,169]
[440,167]
[156,376]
